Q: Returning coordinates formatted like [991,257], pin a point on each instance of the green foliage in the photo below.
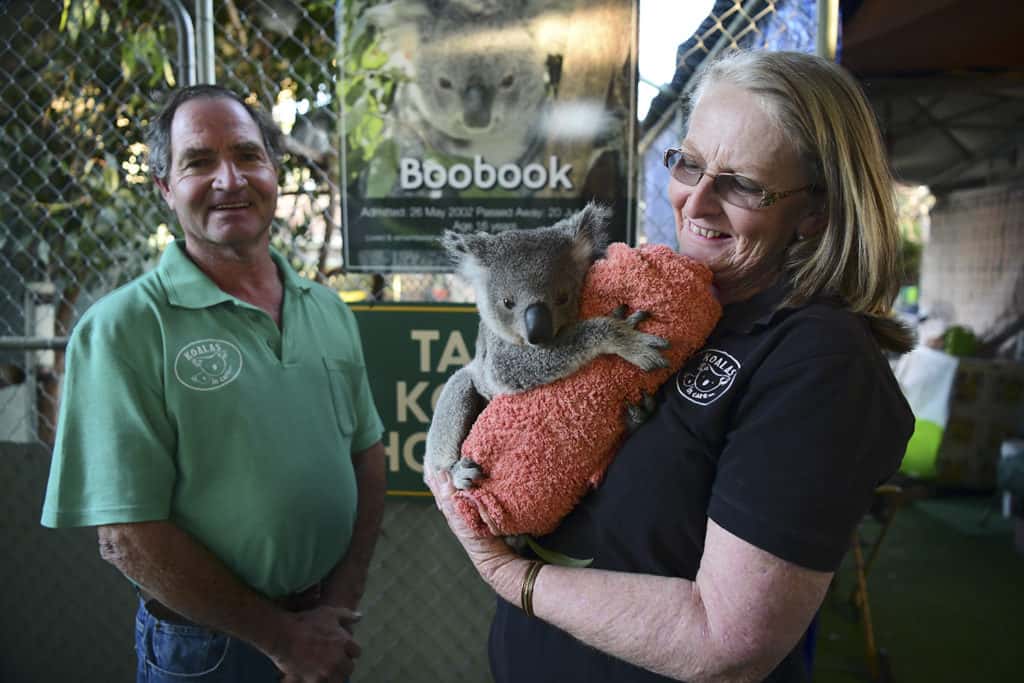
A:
[79,83]
[910,258]
[913,204]
[77,209]
[257,55]
[367,90]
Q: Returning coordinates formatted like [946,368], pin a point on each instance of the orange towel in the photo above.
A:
[542,450]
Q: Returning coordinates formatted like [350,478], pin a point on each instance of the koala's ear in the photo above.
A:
[591,232]
[462,247]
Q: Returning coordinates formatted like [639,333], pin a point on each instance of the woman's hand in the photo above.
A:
[493,559]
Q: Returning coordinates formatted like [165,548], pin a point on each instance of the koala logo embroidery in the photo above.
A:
[208,364]
[715,373]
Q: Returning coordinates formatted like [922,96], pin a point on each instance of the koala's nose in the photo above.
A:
[539,327]
[476,105]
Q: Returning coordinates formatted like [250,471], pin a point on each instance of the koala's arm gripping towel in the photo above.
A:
[543,449]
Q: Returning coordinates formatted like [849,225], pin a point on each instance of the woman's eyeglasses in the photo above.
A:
[732,188]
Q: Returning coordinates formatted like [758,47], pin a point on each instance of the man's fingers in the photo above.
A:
[352,649]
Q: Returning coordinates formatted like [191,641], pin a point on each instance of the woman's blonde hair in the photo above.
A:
[823,111]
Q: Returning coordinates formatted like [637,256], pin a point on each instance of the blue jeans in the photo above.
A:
[172,653]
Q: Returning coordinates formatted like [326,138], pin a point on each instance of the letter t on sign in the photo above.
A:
[424,337]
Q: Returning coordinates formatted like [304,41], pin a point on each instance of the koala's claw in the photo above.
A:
[619,313]
[517,542]
[637,318]
[465,473]
[634,417]
[639,348]
[640,412]
[646,355]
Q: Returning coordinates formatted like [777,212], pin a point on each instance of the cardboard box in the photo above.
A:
[985,409]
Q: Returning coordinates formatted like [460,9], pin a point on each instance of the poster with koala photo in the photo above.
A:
[481,115]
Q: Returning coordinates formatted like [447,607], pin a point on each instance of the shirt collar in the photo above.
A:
[189,287]
[760,309]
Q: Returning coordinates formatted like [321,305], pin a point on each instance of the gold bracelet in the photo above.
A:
[526,597]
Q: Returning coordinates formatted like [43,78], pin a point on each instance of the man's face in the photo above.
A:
[222,184]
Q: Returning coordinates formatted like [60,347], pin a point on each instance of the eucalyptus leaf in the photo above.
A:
[374,58]
[111,177]
[91,7]
[128,59]
[555,557]
[64,16]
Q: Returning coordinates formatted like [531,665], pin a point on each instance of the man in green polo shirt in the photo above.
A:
[217,426]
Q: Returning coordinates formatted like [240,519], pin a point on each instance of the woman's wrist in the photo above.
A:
[526,593]
[506,578]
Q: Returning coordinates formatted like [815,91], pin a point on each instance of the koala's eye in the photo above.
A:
[444,83]
[562,299]
[509,303]
[508,81]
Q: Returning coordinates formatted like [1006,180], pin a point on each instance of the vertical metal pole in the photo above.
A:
[341,36]
[828,28]
[186,42]
[31,390]
[205,72]
[870,649]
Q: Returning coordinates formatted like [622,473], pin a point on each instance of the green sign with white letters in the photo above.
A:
[411,350]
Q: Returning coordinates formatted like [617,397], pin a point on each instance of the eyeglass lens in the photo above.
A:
[734,189]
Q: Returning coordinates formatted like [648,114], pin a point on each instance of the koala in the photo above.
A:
[477,77]
[705,378]
[212,368]
[527,285]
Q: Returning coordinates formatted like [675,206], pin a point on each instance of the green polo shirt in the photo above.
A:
[183,403]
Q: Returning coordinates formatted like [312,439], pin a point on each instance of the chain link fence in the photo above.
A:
[79,214]
[79,81]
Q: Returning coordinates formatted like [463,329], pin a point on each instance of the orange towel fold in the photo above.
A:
[542,450]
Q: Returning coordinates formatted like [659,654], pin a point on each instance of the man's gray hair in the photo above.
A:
[158,134]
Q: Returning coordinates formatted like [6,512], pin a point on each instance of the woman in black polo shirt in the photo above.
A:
[721,520]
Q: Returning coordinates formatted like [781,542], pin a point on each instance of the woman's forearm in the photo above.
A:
[654,622]
[743,614]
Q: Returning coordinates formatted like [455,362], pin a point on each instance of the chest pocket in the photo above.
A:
[342,378]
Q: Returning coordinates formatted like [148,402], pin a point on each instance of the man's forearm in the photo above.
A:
[184,575]
[348,579]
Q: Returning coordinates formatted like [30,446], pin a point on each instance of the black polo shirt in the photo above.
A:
[779,429]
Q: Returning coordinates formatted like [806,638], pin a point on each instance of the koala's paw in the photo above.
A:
[640,412]
[465,473]
[517,542]
[639,348]
[438,461]
[633,320]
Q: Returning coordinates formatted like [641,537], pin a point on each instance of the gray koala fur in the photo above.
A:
[527,285]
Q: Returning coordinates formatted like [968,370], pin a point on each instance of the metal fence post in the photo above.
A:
[828,28]
[205,48]
[186,42]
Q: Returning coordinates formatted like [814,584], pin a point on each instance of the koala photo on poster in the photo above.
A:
[504,113]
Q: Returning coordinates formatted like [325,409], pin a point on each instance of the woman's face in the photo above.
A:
[730,132]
